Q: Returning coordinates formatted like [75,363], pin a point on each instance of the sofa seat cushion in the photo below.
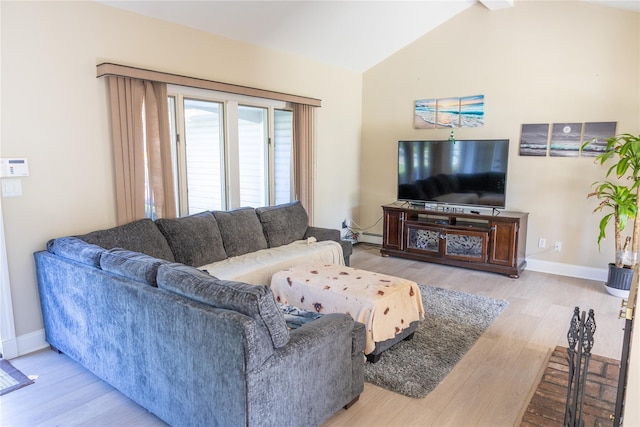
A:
[258,267]
[138,236]
[77,250]
[283,224]
[256,302]
[132,265]
[241,231]
[195,239]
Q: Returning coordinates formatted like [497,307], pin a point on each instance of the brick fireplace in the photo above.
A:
[547,405]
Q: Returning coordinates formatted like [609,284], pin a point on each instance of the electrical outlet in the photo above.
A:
[557,247]
[542,243]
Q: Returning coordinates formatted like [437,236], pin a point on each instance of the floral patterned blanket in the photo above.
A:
[384,304]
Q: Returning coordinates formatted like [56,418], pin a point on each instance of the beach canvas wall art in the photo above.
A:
[472,111]
[534,139]
[448,114]
[441,113]
[565,139]
[425,114]
[596,134]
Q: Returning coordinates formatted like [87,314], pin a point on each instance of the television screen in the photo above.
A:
[467,172]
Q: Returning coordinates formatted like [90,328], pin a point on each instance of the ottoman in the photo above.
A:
[389,307]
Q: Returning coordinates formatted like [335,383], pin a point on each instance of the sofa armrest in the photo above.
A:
[316,365]
[330,234]
[322,233]
[323,328]
[357,356]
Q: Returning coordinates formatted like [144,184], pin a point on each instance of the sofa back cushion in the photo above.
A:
[283,224]
[241,231]
[132,265]
[254,301]
[138,236]
[77,250]
[194,240]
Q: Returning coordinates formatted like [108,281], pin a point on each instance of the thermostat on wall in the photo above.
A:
[13,167]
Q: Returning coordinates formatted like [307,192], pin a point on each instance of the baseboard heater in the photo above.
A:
[374,238]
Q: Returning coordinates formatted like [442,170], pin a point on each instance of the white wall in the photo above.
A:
[537,62]
[54,112]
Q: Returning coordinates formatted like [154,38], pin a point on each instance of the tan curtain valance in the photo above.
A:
[110,69]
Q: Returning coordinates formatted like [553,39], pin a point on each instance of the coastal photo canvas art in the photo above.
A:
[425,114]
[466,112]
[534,139]
[565,139]
[448,114]
[472,111]
[596,134]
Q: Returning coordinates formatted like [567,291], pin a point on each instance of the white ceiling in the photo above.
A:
[354,34]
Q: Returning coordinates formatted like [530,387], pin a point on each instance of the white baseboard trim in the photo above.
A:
[578,271]
[9,348]
[24,344]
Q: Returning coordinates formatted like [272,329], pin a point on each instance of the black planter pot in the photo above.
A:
[619,279]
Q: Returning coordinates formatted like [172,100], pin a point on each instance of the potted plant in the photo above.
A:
[624,200]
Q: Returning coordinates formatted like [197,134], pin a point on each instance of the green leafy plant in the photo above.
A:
[622,201]
[624,150]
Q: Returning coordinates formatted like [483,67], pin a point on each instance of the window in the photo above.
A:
[161,162]
[253,137]
[230,150]
[283,153]
[203,152]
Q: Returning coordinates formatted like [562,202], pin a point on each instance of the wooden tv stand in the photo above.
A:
[488,242]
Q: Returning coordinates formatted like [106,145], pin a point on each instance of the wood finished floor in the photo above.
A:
[490,386]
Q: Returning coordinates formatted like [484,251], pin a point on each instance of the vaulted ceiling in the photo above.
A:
[353,34]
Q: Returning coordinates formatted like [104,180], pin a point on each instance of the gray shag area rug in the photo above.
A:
[453,323]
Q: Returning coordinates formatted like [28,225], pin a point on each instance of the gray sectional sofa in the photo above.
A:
[128,304]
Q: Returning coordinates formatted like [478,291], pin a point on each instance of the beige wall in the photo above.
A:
[537,62]
[54,112]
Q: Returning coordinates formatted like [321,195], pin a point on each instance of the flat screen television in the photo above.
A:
[467,172]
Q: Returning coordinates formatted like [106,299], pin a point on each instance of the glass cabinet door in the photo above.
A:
[423,239]
[466,245]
